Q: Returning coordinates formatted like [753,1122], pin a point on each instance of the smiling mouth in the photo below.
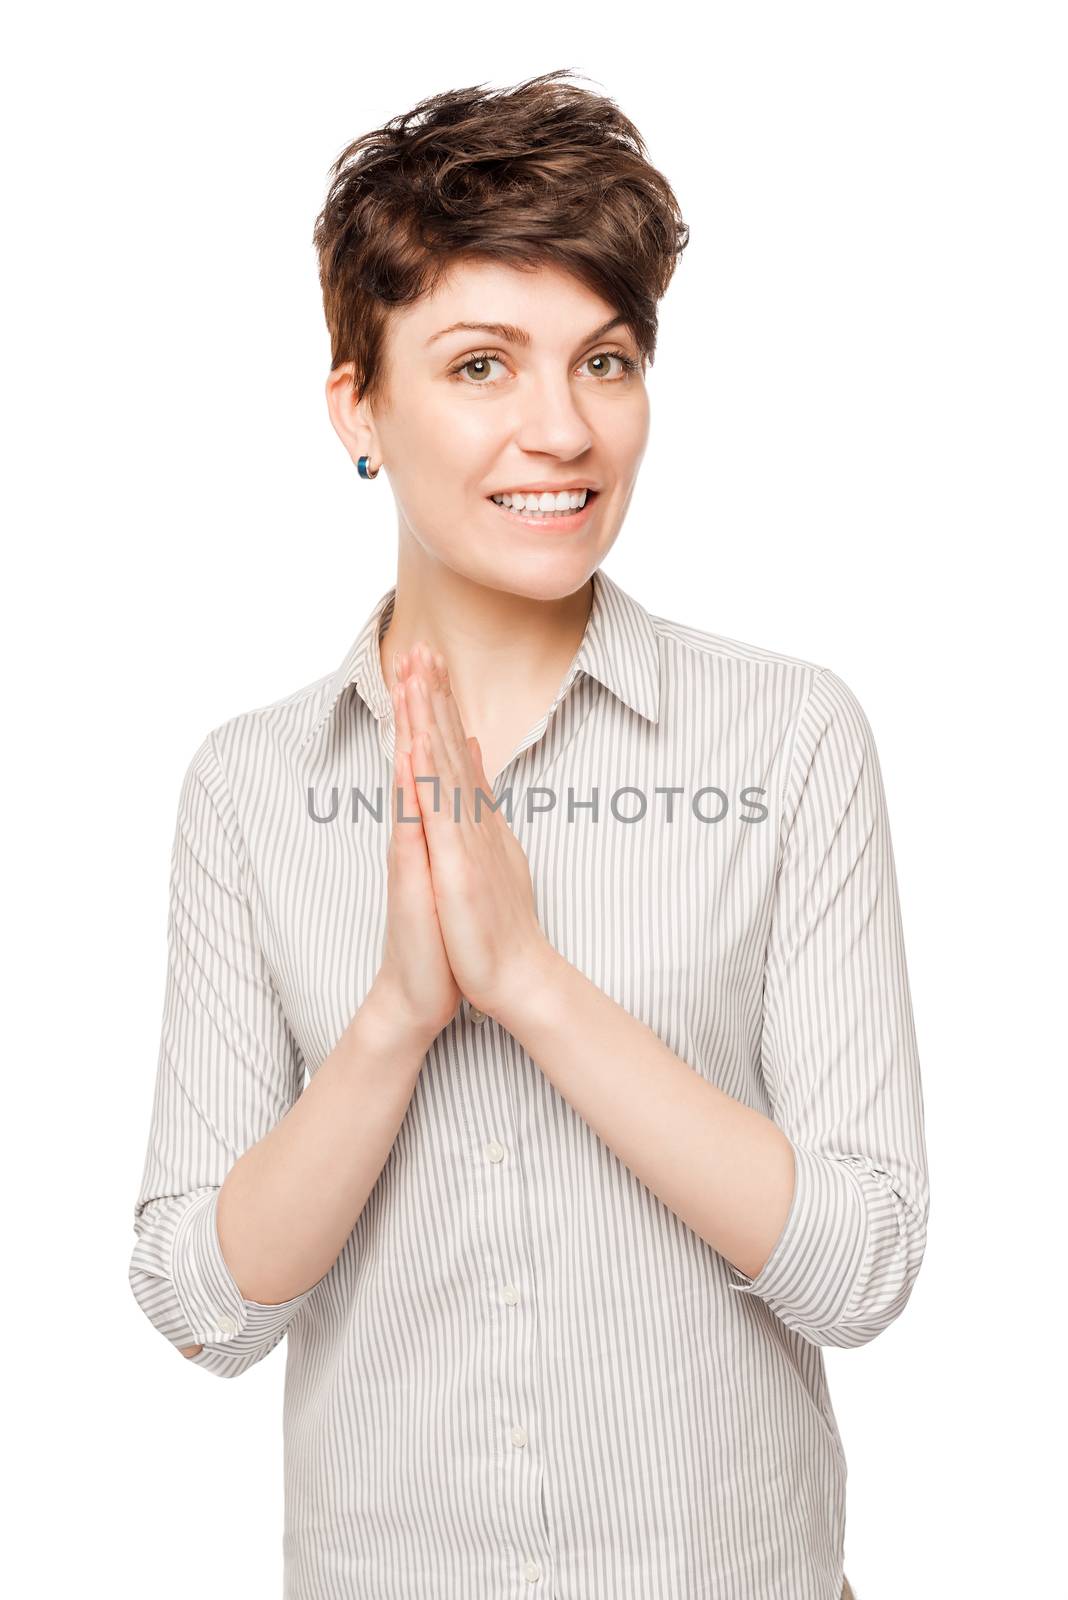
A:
[562,520]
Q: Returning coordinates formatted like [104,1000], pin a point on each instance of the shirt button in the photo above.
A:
[510,1294]
[494,1150]
[475,1014]
[227,1324]
[519,1437]
[532,1572]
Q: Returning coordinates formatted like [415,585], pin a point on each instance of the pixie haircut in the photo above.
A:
[540,174]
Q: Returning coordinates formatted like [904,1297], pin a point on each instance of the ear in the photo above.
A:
[351,415]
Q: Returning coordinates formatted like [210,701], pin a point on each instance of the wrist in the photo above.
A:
[388,1025]
[529,988]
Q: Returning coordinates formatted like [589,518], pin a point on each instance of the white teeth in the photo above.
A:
[547,503]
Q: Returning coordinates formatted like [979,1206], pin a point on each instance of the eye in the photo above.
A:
[481,359]
[478,365]
[628,363]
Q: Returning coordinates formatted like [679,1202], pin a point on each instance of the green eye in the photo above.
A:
[481,358]
[629,364]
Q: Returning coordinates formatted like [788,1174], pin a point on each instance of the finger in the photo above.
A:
[453,764]
[475,752]
[481,780]
[401,720]
[430,798]
[451,723]
[420,710]
[407,818]
[447,717]
[454,760]
[442,830]
[404,743]
[410,718]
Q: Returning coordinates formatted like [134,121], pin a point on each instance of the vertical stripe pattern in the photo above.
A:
[524,1374]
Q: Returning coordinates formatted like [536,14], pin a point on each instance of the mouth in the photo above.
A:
[550,521]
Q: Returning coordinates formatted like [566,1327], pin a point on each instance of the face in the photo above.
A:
[548,399]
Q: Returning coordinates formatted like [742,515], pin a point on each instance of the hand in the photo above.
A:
[481,879]
[415,965]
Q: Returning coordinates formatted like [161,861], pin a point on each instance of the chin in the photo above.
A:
[541,575]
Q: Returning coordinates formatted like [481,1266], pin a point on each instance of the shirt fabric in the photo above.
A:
[524,1374]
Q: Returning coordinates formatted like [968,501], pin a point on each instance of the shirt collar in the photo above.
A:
[619,648]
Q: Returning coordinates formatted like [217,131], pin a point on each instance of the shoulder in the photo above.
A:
[288,717]
[719,650]
[245,754]
[751,677]
[742,673]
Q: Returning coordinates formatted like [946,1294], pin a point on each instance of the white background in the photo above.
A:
[857,457]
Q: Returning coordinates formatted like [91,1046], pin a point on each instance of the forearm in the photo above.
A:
[291,1201]
[725,1169]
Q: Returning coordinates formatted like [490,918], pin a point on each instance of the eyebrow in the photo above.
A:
[510,334]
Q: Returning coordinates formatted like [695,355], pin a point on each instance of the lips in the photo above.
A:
[559,488]
[559,522]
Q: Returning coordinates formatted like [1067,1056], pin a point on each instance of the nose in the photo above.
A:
[551,422]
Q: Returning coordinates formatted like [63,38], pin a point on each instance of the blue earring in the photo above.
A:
[363,467]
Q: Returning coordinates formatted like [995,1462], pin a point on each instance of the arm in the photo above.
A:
[722,1167]
[250,1186]
[826,1202]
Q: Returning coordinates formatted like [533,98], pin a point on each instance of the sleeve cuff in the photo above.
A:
[211,1301]
[808,1278]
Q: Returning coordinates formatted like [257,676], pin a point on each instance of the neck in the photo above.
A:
[501,648]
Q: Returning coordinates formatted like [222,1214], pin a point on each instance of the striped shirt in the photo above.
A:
[524,1374]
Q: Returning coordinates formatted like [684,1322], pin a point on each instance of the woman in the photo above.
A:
[584,924]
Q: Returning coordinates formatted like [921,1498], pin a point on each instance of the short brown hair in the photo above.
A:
[543,173]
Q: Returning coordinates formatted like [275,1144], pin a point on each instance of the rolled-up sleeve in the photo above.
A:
[228,1070]
[839,1054]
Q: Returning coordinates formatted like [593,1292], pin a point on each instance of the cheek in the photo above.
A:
[442,506]
[630,435]
[436,461]
[456,447]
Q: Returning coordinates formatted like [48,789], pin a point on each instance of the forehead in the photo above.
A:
[548,303]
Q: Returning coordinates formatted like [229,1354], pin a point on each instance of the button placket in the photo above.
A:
[526,1480]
